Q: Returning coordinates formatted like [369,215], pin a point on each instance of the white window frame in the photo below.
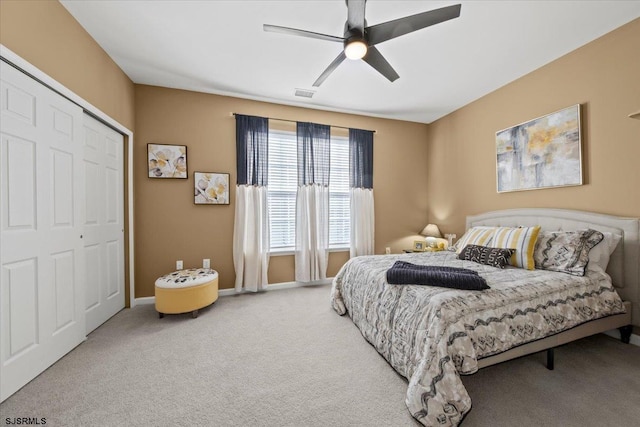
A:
[290,185]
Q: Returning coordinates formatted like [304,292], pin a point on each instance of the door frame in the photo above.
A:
[13,58]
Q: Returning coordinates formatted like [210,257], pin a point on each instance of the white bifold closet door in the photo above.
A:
[41,253]
[103,222]
[48,272]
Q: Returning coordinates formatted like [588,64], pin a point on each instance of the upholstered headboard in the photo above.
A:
[624,265]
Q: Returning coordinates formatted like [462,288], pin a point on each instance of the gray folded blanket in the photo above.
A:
[405,273]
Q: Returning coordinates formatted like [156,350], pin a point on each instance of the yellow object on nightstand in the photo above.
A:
[186,291]
[440,245]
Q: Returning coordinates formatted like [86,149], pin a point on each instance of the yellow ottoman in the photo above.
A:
[186,291]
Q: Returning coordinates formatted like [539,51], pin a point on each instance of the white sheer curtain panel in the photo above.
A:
[362,222]
[312,201]
[251,238]
[312,233]
[361,192]
[251,226]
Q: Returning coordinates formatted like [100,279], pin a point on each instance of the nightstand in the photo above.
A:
[410,251]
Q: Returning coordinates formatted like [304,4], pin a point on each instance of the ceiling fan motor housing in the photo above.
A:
[353,34]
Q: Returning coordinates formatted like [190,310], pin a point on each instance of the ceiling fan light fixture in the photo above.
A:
[360,40]
[355,49]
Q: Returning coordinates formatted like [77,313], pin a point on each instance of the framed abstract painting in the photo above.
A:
[211,188]
[542,153]
[167,161]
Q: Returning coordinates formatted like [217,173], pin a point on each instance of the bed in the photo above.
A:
[433,335]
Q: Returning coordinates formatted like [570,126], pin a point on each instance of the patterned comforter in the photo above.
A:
[431,335]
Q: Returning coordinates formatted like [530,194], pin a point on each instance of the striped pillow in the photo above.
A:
[522,239]
[480,236]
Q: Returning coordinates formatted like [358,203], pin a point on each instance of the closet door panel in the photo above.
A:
[104,222]
[41,256]
[21,286]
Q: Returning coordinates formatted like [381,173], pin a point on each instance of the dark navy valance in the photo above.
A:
[360,158]
[314,151]
[252,150]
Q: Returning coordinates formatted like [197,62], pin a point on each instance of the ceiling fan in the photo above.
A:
[359,40]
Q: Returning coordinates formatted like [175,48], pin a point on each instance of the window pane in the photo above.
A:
[339,226]
[283,184]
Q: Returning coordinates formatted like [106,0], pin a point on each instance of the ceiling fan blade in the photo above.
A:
[377,61]
[303,33]
[399,27]
[330,69]
[355,14]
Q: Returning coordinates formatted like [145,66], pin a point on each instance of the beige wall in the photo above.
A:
[46,35]
[170,227]
[457,164]
[603,76]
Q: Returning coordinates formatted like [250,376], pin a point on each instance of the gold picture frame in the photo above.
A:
[419,245]
[545,152]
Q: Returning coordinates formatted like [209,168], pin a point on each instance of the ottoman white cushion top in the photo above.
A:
[187,278]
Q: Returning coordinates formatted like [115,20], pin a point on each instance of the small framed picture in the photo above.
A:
[211,188]
[167,161]
[419,245]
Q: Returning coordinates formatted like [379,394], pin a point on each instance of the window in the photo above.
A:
[283,184]
[339,220]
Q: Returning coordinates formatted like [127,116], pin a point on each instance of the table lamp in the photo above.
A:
[431,232]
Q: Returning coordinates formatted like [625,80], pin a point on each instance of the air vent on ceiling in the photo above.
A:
[304,93]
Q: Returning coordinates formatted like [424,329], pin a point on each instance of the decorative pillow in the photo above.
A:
[522,239]
[480,236]
[495,257]
[599,255]
[566,251]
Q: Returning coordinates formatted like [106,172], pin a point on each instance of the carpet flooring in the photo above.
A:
[285,358]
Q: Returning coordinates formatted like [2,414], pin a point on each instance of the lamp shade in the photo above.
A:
[431,230]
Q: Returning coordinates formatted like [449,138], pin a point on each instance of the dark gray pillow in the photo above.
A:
[495,257]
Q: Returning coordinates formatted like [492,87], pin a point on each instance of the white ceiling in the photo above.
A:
[219,47]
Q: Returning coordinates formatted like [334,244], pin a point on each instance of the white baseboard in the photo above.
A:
[232,291]
[276,286]
[614,333]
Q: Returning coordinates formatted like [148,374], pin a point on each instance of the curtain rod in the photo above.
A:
[295,121]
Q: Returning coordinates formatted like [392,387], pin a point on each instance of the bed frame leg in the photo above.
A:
[625,334]
[550,359]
